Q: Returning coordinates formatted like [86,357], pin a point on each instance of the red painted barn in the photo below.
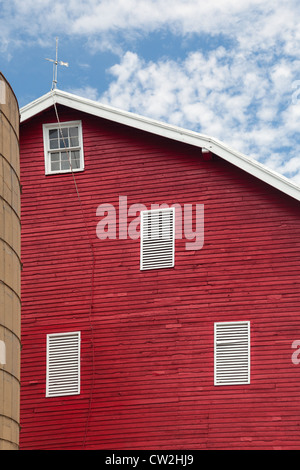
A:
[167,334]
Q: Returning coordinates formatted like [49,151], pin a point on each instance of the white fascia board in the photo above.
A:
[255,168]
[168,131]
[35,107]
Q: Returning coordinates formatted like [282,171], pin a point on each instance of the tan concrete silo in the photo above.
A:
[10,268]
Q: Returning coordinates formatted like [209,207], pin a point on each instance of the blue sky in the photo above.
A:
[229,69]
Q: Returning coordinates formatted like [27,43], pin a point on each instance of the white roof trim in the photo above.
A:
[95,108]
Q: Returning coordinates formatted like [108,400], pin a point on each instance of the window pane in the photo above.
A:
[64,132]
[74,142]
[53,134]
[65,165]
[53,143]
[64,157]
[54,157]
[75,159]
[55,166]
[73,131]
[64,143]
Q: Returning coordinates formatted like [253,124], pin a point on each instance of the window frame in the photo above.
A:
[217,381]
[52,394]
[47,151]
[172,230]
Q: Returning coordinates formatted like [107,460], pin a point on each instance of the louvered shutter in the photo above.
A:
[157,238]
[232,353]
[63,364]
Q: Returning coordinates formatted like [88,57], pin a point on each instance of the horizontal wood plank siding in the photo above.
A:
[147,337]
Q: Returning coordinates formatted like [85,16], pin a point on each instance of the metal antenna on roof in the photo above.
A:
[56,62]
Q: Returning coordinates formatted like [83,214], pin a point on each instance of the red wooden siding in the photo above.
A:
[147,359]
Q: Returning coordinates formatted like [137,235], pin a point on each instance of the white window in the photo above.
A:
[63,147]
[232,353]
[157,238]
[63,364]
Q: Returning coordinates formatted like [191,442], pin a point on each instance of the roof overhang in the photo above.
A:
[168,131]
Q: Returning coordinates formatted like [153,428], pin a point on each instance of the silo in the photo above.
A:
[10,269]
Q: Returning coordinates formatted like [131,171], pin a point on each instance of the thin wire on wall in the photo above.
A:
[92,273]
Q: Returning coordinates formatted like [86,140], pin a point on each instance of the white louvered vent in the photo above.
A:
[157,238]
[63,364]
[232,353]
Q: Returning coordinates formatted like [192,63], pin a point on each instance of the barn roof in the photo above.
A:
[168,131]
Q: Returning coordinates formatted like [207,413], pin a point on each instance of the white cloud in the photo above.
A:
[254,24]
[88,92]
[220,95]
